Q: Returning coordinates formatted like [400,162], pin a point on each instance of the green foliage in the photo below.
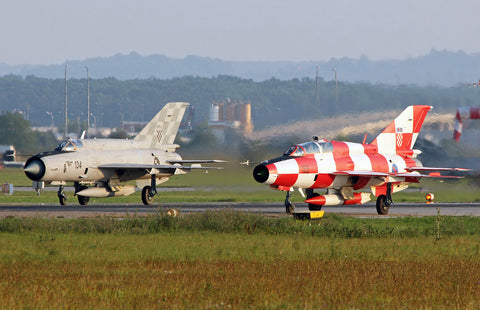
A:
[16,131]
[239,260]
[273,101]
[212,270]
[226,221]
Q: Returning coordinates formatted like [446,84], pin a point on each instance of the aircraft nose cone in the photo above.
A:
[261,173]
[34,169]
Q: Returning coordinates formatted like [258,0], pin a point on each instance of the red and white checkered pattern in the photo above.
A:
[400,136]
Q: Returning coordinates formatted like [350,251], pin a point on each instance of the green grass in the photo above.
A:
[240,260]
[14,176]
[227,221]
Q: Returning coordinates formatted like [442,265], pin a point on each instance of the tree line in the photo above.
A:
[273,101]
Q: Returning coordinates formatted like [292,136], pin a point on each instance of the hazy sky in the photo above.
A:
[52,31]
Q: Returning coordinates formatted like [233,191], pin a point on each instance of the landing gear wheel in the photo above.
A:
[62,199]
[312,207]
[61,196]
[147,199]
[83,200]
[383,205]
[289,206]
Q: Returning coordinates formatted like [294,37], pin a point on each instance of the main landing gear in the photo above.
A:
[62,198]
[311,194]
[148,192]
[290,207]
[385,201]
[83,200]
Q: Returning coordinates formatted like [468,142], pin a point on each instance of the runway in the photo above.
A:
[270,209]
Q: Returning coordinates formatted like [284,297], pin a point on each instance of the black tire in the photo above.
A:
[312,207]
[83,200]
[146,198]
[382,205]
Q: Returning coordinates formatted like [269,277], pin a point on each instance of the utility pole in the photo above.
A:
[336,102]
[316,88]
[66,104]
[336,88]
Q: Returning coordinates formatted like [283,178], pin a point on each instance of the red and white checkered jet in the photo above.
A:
[387,165]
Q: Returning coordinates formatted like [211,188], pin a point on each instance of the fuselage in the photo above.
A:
[79,160]
[320,165]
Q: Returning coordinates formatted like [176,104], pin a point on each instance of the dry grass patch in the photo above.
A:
[209,270]
[313,284]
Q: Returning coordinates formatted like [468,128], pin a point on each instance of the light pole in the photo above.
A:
[66,103]
[88,100]
[95,121]
[336,100]
[316,88]
[51,116]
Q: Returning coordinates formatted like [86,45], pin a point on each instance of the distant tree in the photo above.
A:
[274,101]
[16,131]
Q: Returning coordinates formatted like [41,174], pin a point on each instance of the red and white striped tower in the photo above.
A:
[465,113]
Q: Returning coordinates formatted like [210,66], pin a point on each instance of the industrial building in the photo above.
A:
[235,115]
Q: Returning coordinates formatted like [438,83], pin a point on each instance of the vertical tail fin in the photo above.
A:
[163,128]
[400,136]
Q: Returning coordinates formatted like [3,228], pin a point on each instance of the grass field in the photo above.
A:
[239,260]
[236,184]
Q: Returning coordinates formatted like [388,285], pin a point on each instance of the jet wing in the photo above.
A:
[195,161]
[435,169]
[375,174]
[408,174]
[361,173]
[161,168]
[436,174]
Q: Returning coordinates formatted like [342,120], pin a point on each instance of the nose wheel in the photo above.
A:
[61,196]
[289,206]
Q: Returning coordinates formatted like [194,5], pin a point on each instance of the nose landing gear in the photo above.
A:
[289,206]
[61,196]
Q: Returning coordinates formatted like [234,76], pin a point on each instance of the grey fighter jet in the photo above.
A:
[107,164]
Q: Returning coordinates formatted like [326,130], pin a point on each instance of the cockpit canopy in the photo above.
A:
[309,148]
[69,145]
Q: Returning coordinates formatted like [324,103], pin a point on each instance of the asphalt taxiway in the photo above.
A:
[271,209]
